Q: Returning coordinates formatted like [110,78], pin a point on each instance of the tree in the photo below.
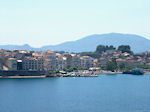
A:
[57,71]
[70,70]
[101,48]
[111,65]
[121,66]
[50,72]
[125,48]
[114,63]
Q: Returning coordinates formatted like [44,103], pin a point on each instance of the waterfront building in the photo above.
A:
[87,62]
[0,65]
[72,60]
[19,65]
[76,62]
[32,63]
[60,63]
[68,60]
[50,60]
[12,64]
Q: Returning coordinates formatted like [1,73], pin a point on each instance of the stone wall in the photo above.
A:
[21,73]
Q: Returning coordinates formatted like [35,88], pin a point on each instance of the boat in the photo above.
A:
[136,71]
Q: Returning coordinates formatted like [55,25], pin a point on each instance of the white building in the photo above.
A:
[87,62]
[61,63]
[76,61]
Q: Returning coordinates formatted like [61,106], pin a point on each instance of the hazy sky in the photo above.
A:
[49,22]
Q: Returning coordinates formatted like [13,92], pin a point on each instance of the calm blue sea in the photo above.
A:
[106,93]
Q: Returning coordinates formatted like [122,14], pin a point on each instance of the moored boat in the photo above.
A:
[136,71]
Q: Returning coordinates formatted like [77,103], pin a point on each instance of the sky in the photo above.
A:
[50,22]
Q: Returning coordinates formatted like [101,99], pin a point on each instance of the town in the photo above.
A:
[105,58]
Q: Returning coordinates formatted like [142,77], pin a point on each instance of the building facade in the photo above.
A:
[50,60]
[12,64]
[87,62]
[32,63]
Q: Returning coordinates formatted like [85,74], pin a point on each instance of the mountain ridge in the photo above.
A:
[89,43]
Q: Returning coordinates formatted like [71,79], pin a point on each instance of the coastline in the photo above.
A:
[11,77]
[71,74]
[85,73]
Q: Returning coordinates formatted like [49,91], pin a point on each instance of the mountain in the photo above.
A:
[19,47]
[89,43]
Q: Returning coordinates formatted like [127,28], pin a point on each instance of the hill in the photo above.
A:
[89,43]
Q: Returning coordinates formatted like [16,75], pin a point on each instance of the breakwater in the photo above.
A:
[4,73]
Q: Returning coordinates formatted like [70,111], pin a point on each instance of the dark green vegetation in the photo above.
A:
[125,48]
[101,49]
[112,65]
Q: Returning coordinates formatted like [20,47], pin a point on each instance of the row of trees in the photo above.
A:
[123,48]
[101,48]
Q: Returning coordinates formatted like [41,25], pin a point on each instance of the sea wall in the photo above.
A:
[21,73]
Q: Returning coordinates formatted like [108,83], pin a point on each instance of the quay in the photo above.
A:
[21,74]
[75,74]
[43,76]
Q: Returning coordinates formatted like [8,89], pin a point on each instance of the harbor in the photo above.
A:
[79,73]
